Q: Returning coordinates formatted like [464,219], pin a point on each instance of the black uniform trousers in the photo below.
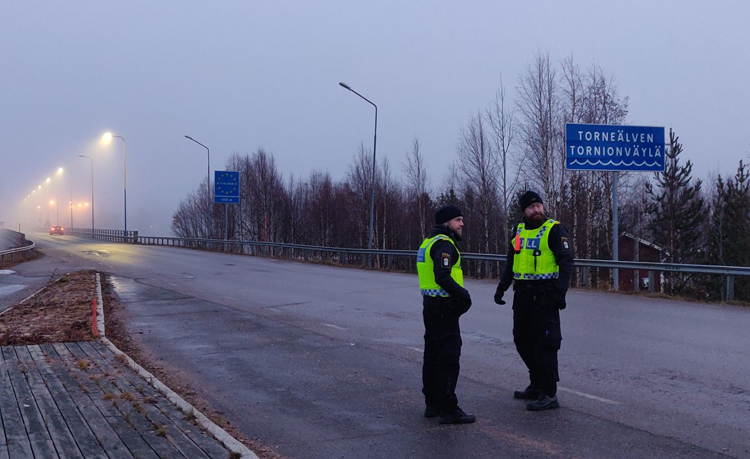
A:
[442,351]
[536,332]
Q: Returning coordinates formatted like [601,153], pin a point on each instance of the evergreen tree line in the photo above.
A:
[511,145]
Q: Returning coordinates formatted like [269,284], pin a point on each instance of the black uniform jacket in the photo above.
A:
[559,243]
[444,255]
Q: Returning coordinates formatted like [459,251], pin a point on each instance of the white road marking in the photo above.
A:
[416,349]
[589,396]
[272,309]
[6,271]
[12,288]
[334,326]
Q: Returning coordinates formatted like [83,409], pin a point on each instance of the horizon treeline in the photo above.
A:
[509,146]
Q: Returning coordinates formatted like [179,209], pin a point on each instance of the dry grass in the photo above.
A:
[61,312]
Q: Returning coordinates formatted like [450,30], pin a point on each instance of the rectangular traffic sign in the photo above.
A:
[607,147]
[226,187]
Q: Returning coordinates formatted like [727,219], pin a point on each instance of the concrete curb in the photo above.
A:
[99,307]
[220,434]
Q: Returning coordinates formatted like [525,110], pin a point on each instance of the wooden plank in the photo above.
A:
[79,428]
[135,417]
[205,441]
[15,439]
[41,443]
[106,436]
[81,377]
[61,436]
[121,420]
[130,381]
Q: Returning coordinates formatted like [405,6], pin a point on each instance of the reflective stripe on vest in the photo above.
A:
[535,260]
[428,286]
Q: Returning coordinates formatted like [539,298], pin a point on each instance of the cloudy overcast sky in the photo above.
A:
[238,75]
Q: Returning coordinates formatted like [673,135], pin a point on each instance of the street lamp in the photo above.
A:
[208,184]
[60,171]
[107,137]
[92,190]
[57,211]
[374,147]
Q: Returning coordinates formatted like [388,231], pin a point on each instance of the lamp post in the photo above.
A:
[92,189]
[108,138]
[60,171]
[57,211]
[374,147]
[208,185]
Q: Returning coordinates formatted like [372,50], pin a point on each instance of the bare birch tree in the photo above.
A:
[539,106]
[478,167]
[418,198]
[501,120]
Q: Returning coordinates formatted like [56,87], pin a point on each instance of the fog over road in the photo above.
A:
[322,361]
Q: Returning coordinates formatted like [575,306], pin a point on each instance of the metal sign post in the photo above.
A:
[226,191]
[607,147]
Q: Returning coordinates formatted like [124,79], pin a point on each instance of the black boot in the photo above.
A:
[432,411]
[544,402]
[530,393]
[456,416]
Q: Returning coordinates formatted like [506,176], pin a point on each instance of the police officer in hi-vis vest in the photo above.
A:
[540,262]
[444,299]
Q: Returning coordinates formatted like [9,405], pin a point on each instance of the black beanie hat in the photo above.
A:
[528,199]
[447,213]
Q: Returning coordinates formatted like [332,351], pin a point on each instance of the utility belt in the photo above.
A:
[544,286]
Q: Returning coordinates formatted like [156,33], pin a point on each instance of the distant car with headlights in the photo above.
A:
[57,230]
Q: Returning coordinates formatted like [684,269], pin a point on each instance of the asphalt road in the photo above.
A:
[322,362]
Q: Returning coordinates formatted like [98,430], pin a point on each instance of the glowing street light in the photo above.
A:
[57,211]
[92,190]
[60,171]
[107,138]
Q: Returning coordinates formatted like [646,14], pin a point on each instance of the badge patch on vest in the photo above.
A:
[445,260]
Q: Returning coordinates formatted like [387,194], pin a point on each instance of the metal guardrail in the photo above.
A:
[19,253]
[385,258]
[105,234]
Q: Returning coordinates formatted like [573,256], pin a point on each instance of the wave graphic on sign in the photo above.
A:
[613,163]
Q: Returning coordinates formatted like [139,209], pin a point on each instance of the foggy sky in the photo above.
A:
[245,74]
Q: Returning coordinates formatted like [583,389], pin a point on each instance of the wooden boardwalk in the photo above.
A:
[77,400]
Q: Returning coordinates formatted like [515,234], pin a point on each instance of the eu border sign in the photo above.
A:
[226,187]
[607,147]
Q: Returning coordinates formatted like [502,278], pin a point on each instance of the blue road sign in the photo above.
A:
[606,147]
[226,187]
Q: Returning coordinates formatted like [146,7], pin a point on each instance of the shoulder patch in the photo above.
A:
[565,244]
[445,260]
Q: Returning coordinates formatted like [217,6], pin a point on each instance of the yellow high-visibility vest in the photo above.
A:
[426,268]
[534,260]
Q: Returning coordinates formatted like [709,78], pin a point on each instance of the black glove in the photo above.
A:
[560,299]
[462,303]
[499,297]
[465,303]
